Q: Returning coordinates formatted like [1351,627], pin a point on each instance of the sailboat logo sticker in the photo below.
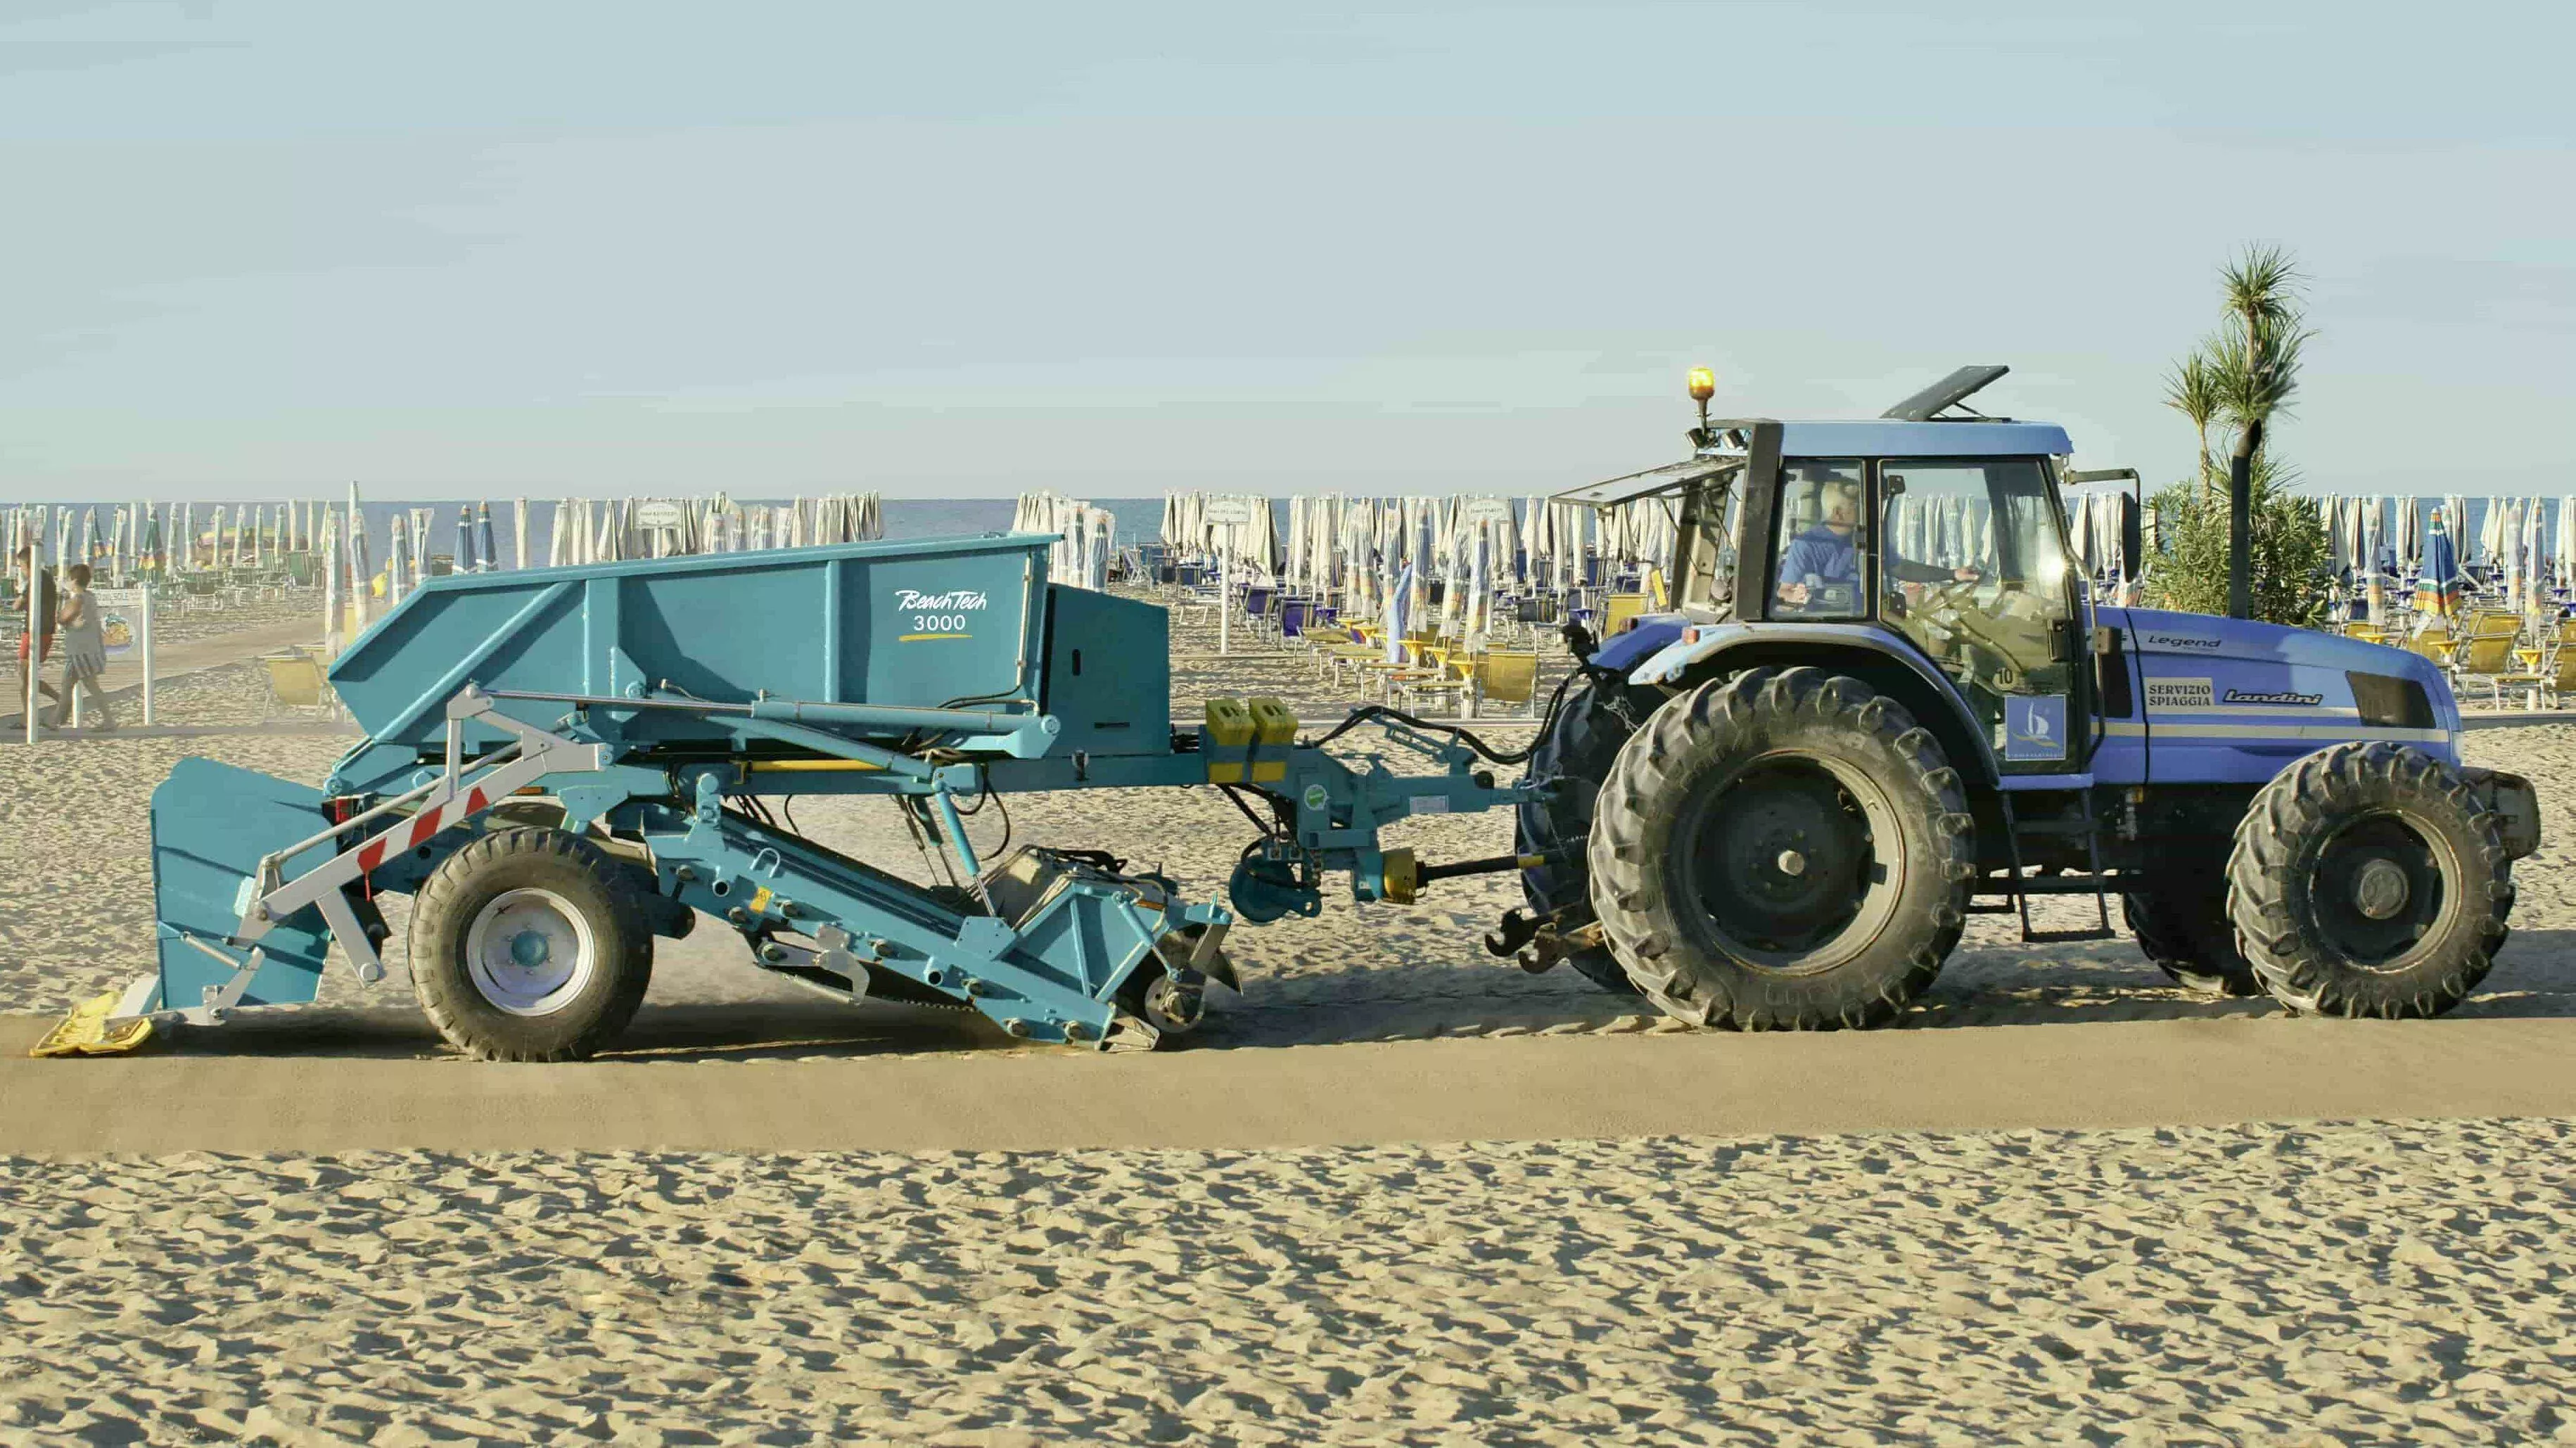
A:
[2034,726]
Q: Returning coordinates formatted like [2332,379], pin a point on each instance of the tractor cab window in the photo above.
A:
[1704,556]
[1822,540]
[1974,572]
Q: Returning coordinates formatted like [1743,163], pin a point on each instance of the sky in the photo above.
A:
[468,250]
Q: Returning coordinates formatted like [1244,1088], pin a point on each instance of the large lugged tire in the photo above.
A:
[2181,924]
[1577,751]
[1783,850]
[2369,880]
[530,945]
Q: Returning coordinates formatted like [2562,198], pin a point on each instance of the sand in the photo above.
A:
[2326,1283]
[2380,1280]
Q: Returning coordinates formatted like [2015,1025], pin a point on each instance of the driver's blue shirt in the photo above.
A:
[1820,551]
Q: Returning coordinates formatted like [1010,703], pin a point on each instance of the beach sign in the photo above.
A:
[664,516]
[1485,510]
[120,618]
[1226,512]
[125,622]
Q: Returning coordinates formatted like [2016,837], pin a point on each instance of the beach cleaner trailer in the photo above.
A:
[561,765]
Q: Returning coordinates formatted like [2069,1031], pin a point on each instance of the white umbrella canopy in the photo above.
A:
[1453,580]
[2562,546]
[2535,594]
[1300,510]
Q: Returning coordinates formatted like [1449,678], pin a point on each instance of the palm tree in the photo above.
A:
[2257,356]
[2192,389]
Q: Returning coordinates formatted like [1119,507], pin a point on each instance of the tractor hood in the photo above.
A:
[2225,699]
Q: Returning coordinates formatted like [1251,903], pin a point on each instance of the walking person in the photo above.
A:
[43,580]
[84,638]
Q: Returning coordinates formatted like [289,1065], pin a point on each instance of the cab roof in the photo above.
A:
[1878,437]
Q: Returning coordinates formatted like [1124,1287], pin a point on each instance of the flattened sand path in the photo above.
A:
[333,1090]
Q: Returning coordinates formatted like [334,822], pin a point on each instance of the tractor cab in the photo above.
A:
[1921,535]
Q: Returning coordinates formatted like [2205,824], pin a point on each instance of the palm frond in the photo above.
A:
[2192,389]
[2258,374]
[2261,282]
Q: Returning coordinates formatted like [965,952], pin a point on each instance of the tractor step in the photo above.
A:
[2006,888]
[2064,937]
[2019,887]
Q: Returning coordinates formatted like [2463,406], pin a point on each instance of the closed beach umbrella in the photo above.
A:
[2437,585]
[1400,613]
[359,572]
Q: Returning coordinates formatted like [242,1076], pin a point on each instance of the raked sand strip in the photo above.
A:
[2063,1076]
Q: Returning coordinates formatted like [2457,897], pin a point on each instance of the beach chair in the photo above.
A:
[1496,676]
[2484,652]
[1510,676]
[297,681]
[2546,674]
[1419,663]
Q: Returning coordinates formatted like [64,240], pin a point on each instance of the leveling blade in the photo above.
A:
[96,1027]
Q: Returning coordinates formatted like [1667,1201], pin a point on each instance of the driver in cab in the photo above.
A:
[1827,556]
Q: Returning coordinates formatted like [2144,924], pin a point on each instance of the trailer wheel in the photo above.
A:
[1786,849]
[2181,924]
[1577,751]
[2369,880]
[530,945]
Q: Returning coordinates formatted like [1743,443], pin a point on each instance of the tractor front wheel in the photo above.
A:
[1782,850]
[2181,923]
[1575,753]
[530,945]
[2369,880]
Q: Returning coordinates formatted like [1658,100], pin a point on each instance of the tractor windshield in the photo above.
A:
[1974,571]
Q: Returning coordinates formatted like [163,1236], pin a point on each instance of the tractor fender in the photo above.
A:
[1643,638]
[1705,649]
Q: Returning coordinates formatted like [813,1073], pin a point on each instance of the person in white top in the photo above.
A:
[84,645]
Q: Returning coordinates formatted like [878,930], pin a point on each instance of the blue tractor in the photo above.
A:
[1883,700]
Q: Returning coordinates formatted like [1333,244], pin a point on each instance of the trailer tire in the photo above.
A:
[530,945]
[2181,924]
[1819,776]
[2370,880]
[1577,752]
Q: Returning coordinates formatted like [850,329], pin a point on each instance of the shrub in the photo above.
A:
[2291,570]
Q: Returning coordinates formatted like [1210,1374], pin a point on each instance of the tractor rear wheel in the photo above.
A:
[1786,849]
[1577,752]
[2181,924]
[530,945]
[2369,880]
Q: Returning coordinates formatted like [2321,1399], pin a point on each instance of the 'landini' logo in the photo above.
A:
[2239,696]
[960,599]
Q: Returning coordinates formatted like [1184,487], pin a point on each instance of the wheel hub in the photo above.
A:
[1782,858]
[529,952]
[2379,889]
